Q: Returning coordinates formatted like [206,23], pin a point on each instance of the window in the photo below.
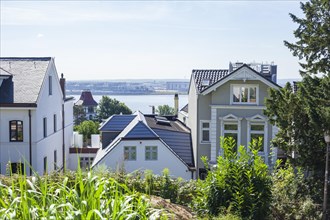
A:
[86,162]
[45,165]
[16,131]
[50,85]
[257,131]
[45,127]
[55,123]
[130,153]
[205,131]
[231,130]
[17,168]
[205,82]
[55,160]
[244,94]
[151,153]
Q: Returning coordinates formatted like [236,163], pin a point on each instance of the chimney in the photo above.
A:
[62,83]
[176,104]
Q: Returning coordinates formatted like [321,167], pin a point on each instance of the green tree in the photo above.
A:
[108,106]
[78,114]
[165,110]
[303,115]
[87,128]
[313,37]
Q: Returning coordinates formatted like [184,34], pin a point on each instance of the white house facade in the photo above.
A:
[36,119]
[146,142]
[229,103]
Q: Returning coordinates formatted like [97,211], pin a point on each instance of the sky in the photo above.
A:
[95,40]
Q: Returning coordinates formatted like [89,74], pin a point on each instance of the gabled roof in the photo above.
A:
[215,77]
[117,122]
[86,99]
[140,131]
[212,76]
[174,135]
[28,75]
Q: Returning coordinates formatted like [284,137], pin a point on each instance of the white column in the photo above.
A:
[213,134]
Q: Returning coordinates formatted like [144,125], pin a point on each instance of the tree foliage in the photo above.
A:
[165,110]
[87,128]
[108,106]
[313,37]
[79,114]
[298,130]
[240,183]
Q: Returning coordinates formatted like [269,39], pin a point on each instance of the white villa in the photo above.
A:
[36,118]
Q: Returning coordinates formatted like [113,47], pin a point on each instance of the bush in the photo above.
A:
[239,184]
[291,198]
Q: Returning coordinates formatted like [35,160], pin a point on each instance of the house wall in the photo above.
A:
[15,152]
[75,159]
[193,116]
[220,100]
[166,159]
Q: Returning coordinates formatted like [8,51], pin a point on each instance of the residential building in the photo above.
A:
[140,142]
[229,103]
[36,117]
[88,103]
[181,86]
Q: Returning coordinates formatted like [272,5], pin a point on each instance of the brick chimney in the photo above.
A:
[62,83]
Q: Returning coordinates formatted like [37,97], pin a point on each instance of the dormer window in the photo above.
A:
[205,82]
[244,94]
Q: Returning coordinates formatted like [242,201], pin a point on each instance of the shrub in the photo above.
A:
[239,184]
[291,196]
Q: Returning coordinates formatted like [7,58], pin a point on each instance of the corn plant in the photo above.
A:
[88,196]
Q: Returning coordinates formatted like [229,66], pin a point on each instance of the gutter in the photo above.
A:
[63,141]
[30,142]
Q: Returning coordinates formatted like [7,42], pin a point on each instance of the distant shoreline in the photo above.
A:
[126,93]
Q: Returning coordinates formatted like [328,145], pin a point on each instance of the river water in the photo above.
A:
[143,103]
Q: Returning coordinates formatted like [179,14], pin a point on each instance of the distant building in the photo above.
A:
[140,142]
[87,101]
[177,86]
[36,117]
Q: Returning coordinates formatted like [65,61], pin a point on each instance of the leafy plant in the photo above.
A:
[239,184]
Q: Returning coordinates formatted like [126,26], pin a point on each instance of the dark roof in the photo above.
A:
[138,126]
[215,76]
[27,76]
[212,75]
[185,108]
[174,125]
[117,122]
[86,99]
[179,142]
[140,131]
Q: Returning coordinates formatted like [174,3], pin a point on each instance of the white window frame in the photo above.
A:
[201,129]
[259,120]
[230,119]
[246,86]
[150,151]
[130,151]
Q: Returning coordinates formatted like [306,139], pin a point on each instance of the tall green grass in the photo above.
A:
[59,196]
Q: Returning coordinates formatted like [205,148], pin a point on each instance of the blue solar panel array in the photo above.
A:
[179,142]
[117,123]
[140,130]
